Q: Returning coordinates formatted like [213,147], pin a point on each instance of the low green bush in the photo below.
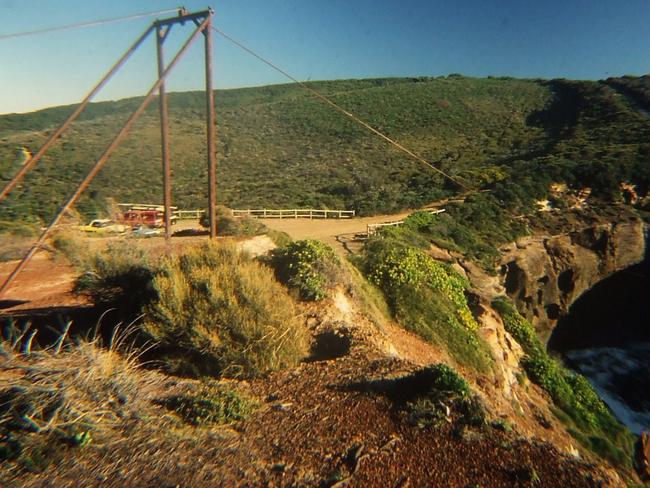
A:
[18,228]
[444,379]
[211,404]
[445,396]
[588,418]
[368,297]
[16,239]
[308,266]
[211,310]
[278,237]
[228,225]
[404,267]
[426,297]
[473,228]
[225,311]
[118,277]
[519,328]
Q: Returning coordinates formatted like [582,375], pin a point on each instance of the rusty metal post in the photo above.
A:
[103,158]
[161,34]
[212,157]
[29,164]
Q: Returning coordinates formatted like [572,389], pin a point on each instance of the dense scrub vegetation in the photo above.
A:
[228,225]
[216,302]
[473,228]
[211,403]
[588,419]
[426,297]
[279,147]
[637,88]
[210,310]
[310,267]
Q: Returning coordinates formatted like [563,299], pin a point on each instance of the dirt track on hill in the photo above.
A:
[44,283]
[327,230]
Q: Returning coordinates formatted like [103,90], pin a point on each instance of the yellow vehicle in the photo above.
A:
[104,226]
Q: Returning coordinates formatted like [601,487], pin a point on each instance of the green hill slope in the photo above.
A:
[280,147]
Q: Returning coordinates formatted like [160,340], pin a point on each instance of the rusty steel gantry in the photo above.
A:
[162,30]
[203,22]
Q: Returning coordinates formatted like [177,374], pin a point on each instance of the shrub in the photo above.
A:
[444,394]
[118,277]
[404,267]
[225,313]
[368,297]
[71,246]
[211,404]
[16,239]
[426,297]
[473,228]
[308,266]
[421,221]
[278,237]
[228,225]
[18,229]
[518,327]
[444,379]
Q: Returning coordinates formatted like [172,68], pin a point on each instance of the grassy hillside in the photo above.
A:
[279,147]
[637,88]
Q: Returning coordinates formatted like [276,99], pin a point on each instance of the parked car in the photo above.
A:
[141,230]
[150,218]
[104,226]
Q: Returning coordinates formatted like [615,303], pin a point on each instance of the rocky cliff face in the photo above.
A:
[544,275]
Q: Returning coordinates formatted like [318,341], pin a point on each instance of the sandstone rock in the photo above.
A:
[643,457]
[440,254]
[544,275]
[505,350]
[488,285]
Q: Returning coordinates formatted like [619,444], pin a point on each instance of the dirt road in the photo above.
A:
[327,230]
[44,283]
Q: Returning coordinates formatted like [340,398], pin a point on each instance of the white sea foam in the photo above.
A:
[610,370]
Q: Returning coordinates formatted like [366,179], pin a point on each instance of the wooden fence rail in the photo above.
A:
[306,213]
[188,214]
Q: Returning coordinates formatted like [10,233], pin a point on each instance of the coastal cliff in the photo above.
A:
[544,275]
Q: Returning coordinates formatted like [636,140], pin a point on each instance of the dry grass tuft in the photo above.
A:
[66,395]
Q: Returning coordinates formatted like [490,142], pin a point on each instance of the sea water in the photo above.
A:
[621,376]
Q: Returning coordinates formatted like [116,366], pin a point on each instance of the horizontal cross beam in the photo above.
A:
[183,17]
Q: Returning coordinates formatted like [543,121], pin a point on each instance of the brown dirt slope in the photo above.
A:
[325,423]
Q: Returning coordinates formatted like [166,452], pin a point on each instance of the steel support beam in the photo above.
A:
[210,130]
[161,35]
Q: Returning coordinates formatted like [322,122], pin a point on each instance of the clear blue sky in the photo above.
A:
[322,39]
